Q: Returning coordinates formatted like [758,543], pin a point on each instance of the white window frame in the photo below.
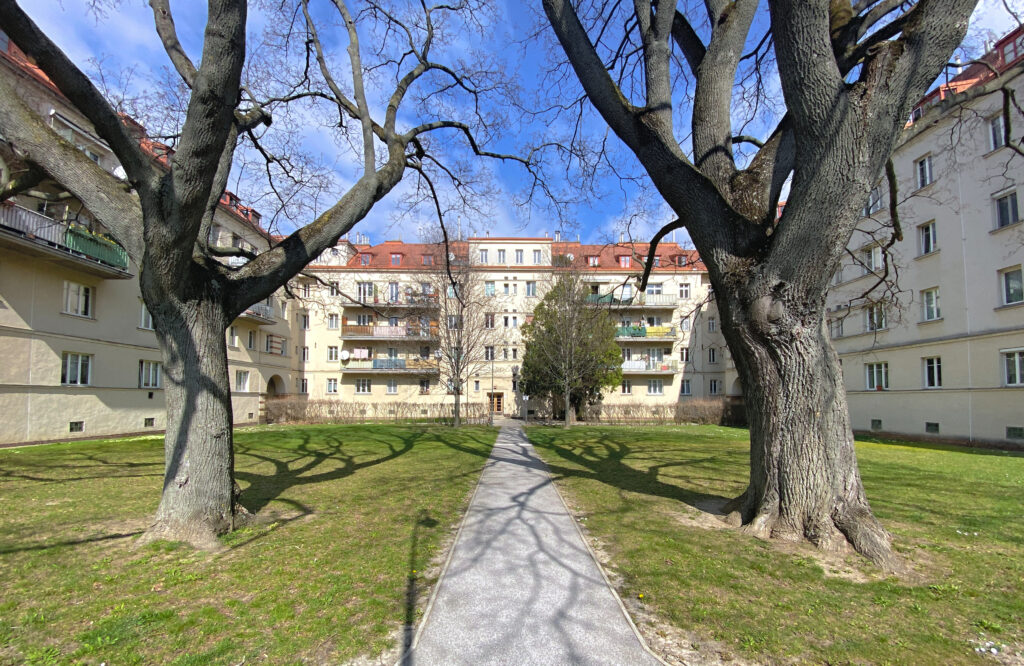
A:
[519,257]
[930,307]
[242,381]
[875,373]
[332,385]
[684,388]
[627,387]
[684,354]
[489,353]
[251,340]
[927,238]
[712,355]
[305,354]
[531,288]
[923,171]
[654,289]
[1013,366]
[303,385]
[625,261]
[655,387]
[483,257]
[874,203]
[332,353]
[304,321]
[875,317]
[996,132]
[392,386]
[1007,209]
[538,258]
[712,325]
[714,387]
[501,256]
[932,368]
[333,321]
[146,319]
[364,386]
[593,260]
[335,290]
[1004,285]
[79,299]
[684,290]
[76,369]
[150,374]
[872,259]
[232,336]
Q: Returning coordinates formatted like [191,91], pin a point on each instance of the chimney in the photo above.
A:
[558,236]
[622,238]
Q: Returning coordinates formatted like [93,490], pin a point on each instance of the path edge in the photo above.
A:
[447,562]
[597,562]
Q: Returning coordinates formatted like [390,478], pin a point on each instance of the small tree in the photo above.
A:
[570,347]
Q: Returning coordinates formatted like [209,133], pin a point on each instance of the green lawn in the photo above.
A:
[351,517]
[956,514]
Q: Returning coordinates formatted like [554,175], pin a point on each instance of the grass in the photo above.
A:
[351,518]
[955,514]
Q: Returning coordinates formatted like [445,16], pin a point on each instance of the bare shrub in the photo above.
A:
[303,410]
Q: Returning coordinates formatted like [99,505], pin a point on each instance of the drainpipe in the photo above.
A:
[967,307]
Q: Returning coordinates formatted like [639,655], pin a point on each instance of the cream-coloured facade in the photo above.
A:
[943,356]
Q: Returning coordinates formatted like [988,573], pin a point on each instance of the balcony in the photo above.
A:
[410,332]
[637,301]
[72,245]
[646,332]
[260,313]
[650,367]
[408,301]
[412,365]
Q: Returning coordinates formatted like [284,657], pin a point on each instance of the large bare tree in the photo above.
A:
[849,75]
[160,213]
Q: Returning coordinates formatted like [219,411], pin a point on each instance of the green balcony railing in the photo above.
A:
[96,247]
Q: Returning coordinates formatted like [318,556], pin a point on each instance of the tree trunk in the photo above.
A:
[198,500]
[804,481]
[456,421]
[566,398]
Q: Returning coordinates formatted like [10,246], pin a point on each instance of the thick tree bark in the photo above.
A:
[804,480]
[197,503]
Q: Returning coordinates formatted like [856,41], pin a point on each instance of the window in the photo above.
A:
[1013,367]
[335,290]
[506,321]
[77,299]
[655,387]
[332,321]
[876,424]
[624,261]
[505,288]
[76,369]
[364,259]
[1014,432]
[364,291]
[1012,286]
[515,353]
[712,355]
[874,317]
[454,322]
[531,288]
[536,258]
[593,261]
[874,203]
[926,234]
[488,353]
[684,355]
[930,304]
[488,289]
[483,256]
[392,386]
[515,321]
[332,385]
[305,354]
[684,388]
[712,325]
[654,289]
[304,322]
[149,422]
[519,256]
[305,290]
[149,374]
[424,386]
[871,259]
[684,290]
[1007,212]
[876,376]
[923,169]
[504,353]
[627,386]
[489,320]
[501,256]
[714,387]
[396,260]
[627,292]
[835,327]
[303,386]
[76,426]
[837,277]
[996,133]
[392,292]
[146,320]
[932,372]
[232,336]
[684,324]
[251,341]
[241,380]
[476,385]
[332,353]
[363,386]
[428,260]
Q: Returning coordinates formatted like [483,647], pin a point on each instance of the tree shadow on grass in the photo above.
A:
[70,542]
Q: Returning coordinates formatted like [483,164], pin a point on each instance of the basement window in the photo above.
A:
[76,426]
[1014,432]
[150,422]
[876,424]
[931,428]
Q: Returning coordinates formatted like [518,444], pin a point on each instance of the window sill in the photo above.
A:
[927,254]
[1009,306]
[1011,225]
[148,330]
[929,321]
[78,316]
[923,188]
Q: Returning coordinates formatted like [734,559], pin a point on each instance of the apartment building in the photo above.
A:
[80,357]
[943,355]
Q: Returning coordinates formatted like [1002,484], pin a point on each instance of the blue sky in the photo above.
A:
[125,38]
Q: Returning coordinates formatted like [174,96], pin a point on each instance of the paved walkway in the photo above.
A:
[521,586]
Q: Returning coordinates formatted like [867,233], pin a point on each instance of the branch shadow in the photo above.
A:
[70,542]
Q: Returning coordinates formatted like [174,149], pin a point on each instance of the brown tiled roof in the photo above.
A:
[673,257]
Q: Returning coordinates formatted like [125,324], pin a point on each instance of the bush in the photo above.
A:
[702,412]
[302,410]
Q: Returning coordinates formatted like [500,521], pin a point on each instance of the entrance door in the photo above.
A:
[496,402]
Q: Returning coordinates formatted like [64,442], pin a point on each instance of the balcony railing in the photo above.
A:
[73,238]
[414,364]
[637,300]
[645,332]
[404,300]
[261,310]
[391,332]
[650,366]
